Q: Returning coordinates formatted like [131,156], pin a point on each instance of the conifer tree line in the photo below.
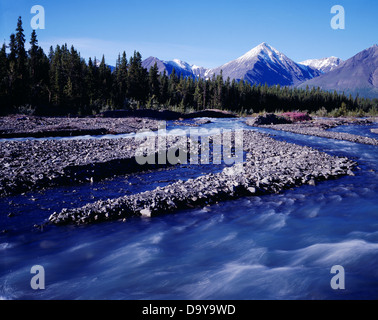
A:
[63,83]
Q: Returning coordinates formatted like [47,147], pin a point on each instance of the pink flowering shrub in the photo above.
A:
[296,116]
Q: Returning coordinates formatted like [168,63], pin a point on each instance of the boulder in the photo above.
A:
[270,118]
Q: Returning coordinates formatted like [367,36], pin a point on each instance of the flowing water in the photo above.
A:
[279,246]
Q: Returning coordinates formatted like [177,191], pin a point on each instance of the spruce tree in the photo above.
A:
[164,83]
[105,82]
[121,81]
[33,56]
[173,88]
[137,79]
[153,82]
[91,81]
[3,62]
[57,76]
[3,80]
[12,75]
[74,85]
[218,91]
[38,65]
[21,82]
[198,100]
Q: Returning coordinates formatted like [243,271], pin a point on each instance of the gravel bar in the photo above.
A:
[319,128]
[270,167]
[35,164]
[39,127]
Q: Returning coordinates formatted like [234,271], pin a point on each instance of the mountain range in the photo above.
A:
[181,67]
[265,64]
[357,75]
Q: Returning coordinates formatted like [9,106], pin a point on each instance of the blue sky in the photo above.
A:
[206,32]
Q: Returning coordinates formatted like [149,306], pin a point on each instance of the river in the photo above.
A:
[279,246]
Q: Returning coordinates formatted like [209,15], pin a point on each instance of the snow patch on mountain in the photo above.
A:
[324,65]
[265,51]
[181,67]
[179,64]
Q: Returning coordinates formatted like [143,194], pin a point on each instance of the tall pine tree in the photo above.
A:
[137,79]
[38,65]
[3,80]
[120,82]
[21,82]
[153,83]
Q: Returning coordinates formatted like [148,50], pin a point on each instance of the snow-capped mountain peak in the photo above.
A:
[199,71]
[180,64]
[324,65]
[265,64]
[181,67]
[265,51]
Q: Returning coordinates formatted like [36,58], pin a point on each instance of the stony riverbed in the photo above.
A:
[270,167]
[319,128]
[32,126]
[34,164]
